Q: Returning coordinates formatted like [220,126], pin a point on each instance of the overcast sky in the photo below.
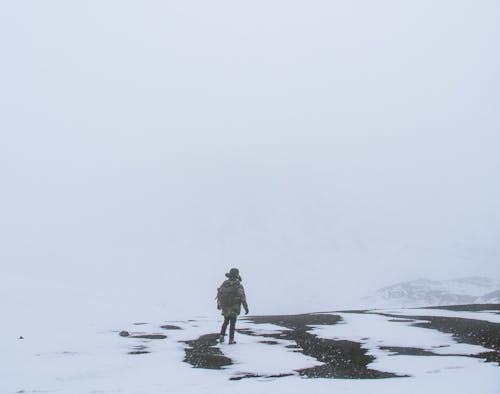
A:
[323,147]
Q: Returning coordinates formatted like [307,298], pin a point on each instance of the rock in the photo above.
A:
[170,327]
[21,337]
[124,333]
[149,336]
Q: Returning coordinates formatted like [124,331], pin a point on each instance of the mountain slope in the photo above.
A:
[424,292]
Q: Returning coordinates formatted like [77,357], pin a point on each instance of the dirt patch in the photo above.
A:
[353,311]
[149,336]
[468,307]
[471,331]
[411,351]
[202,353]
[474,332]
[298,322]
[139,350]
[401,320]
[170,327]
[251,375]
[342,359]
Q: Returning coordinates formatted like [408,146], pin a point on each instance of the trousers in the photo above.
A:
[228,320]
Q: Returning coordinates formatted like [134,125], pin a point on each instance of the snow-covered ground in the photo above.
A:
[71,344]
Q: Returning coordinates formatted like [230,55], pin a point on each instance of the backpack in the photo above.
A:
[228,294]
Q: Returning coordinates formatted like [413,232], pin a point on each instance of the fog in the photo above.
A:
[325,148]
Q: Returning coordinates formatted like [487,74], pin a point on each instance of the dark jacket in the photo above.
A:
[234,309]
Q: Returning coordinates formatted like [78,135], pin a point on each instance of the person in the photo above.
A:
[230,297]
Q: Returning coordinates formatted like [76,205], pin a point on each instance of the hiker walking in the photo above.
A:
[230,297]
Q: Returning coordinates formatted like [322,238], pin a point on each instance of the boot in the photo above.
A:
[232,341]
[221,338]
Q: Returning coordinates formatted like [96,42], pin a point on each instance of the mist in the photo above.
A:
[325,149]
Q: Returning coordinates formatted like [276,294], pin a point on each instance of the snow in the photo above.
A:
[263,359]
[71,345]
[374,331]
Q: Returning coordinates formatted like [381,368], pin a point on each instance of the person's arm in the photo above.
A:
[243,299]
[217,298]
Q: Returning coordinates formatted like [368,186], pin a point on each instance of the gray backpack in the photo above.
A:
[228,294]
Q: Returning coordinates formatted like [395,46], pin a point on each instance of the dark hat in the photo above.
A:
[234,273]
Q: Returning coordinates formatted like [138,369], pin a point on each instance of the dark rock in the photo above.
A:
[139,350]
[170,327]
[149,336]
[124,333]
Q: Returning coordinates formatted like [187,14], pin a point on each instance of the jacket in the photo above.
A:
[234,308]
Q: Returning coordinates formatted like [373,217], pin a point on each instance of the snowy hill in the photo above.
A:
[490,298]
[423,292]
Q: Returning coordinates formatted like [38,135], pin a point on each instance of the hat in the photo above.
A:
[234,273]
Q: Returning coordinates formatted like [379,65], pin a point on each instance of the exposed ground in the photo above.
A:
[342,359]
[345,358]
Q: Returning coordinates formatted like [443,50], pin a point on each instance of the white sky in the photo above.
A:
[323,147]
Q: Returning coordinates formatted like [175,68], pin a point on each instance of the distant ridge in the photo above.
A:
[425,292]
[490,298]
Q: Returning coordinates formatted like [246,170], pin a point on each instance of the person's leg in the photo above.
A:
[224,325]
[232,327]
[223,328]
